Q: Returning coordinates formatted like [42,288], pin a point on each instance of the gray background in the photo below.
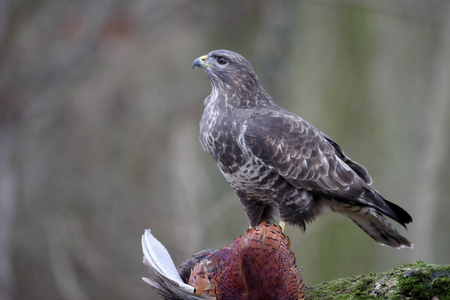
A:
[99,112]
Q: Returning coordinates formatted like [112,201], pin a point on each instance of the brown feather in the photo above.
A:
[258,265]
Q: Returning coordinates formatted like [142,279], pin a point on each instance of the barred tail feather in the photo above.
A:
[376,226]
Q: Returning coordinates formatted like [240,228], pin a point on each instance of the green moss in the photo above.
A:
[425,281]
[410,281]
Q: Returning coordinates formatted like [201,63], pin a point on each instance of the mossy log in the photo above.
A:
[410,281]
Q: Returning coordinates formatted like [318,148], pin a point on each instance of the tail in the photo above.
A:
[376,226]
[368,211]
[373,199]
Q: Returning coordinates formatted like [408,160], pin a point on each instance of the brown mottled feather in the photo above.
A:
[258,265]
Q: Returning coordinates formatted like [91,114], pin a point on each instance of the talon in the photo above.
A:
[282,225]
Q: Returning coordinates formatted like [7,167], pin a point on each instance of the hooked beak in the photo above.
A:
[201,62]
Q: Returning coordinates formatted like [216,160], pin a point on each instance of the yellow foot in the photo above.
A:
[282,225]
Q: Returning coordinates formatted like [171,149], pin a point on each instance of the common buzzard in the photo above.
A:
[274,159]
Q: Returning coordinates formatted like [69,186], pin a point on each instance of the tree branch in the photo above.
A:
[410,281]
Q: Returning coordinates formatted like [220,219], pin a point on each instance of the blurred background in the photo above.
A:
[99,112]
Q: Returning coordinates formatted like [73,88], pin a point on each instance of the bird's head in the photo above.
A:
[227,67]
[233,77]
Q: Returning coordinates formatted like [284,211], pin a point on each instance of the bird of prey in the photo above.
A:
[258,265]
[274,159]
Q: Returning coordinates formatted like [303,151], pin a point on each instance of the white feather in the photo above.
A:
[159,259]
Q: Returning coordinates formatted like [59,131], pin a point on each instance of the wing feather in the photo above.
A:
[310,160]
[300,153]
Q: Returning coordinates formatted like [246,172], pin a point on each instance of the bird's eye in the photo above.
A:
[221,60]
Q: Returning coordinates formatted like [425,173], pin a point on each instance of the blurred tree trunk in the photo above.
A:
[436,138]
[8,178]
[7,209]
